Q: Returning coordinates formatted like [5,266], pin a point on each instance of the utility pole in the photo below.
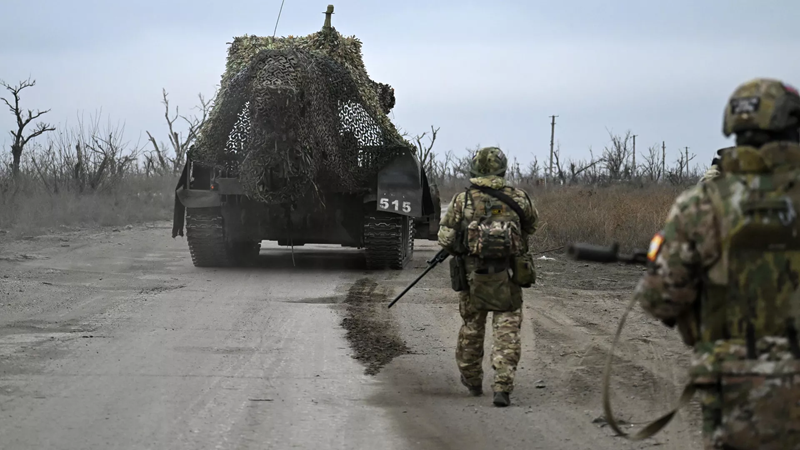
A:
[663,159]
[634,156]
[552,136]
[687,162]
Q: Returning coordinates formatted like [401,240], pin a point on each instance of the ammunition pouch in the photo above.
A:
[459,247]
[490,290]
[458,274]
[523,271]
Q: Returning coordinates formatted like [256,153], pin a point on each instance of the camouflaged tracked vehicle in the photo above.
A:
[298,149]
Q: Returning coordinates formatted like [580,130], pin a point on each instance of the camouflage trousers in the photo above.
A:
[759,420]
[506,347]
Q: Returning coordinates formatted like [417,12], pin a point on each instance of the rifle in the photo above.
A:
[433,262]
[601,254]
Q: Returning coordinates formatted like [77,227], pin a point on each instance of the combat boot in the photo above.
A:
[501,399]
[474,390]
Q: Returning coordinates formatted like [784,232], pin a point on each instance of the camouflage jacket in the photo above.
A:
[689,248]
[456,213]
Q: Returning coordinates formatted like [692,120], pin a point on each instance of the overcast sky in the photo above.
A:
[486,72]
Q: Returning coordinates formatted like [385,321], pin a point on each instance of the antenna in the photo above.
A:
[328,13]
[279,19]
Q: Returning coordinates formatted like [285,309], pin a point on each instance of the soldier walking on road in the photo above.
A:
[726,270]
[486,230]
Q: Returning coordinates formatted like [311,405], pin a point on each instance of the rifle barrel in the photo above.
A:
[411,285]
[597,253]
[435,261]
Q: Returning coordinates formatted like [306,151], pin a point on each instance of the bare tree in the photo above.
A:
[180,144]
[23,120]
[652,167]
[680,173]
[514,171]
[577,168]
[425,151]
[593,173]
[613,165]
[77,159]
[557,164]
[460,165]
[445,165]
[615,157]
[533,171]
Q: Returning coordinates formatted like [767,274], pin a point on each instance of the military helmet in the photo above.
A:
[488,161]
[762,104]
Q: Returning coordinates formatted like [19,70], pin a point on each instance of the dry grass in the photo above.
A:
[134,199]
[624,214]
[627,214]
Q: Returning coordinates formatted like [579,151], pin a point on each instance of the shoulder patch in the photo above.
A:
[655,246]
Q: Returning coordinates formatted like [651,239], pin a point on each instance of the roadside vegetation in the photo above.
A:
[91,174]
[605,198]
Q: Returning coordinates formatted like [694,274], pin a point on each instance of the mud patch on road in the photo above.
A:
[370,331]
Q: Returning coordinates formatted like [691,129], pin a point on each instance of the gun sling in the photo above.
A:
[505,198]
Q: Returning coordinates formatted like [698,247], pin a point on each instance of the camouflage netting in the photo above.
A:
[299,113]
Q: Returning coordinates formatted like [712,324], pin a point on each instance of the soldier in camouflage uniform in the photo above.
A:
[488,171]
[726,269]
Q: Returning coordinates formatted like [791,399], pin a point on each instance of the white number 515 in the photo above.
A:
[384,204]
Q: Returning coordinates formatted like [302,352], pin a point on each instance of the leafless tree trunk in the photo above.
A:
[23,120]
[576,169]
[681,174]
[514,171]
[615,158]
[557,164]
[652,164]
[533,171]
[425,151]
[179,143]
[462,164]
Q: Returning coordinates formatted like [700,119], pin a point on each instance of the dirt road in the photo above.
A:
[112,339]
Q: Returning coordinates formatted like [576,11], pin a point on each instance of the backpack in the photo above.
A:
[748,323]
[494,233]
[760,259]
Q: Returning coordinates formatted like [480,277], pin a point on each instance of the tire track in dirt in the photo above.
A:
[574,330]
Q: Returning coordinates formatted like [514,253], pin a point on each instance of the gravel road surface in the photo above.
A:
[113,340]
